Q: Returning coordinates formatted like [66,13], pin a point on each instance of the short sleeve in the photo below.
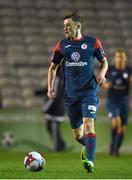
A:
[99,51]
[57,56]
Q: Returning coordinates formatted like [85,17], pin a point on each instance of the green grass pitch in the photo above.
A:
[32,135]
[65,165]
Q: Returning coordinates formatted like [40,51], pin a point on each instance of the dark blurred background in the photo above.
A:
[29,30]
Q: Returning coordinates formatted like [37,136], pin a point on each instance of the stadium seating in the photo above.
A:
[29,29]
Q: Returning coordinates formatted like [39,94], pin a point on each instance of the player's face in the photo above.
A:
[120,59]
[70,28]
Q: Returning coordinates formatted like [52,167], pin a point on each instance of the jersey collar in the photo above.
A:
[77,40]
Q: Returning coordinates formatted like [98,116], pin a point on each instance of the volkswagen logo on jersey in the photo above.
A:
[118,81]
[84,46]
[75,56]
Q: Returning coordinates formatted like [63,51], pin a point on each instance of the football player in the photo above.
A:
[77,54]
[119,77]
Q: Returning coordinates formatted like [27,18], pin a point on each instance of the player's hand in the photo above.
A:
[108,85]
[101,79]
[51,94]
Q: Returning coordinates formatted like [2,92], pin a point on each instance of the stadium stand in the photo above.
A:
[29,29]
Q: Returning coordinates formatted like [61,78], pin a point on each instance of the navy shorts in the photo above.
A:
[118,108]
[83,106]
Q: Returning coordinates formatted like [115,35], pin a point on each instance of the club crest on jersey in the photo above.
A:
[125,75]
[75,56]
[84,46]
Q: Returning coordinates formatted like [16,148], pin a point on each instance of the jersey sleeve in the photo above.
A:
[57,56]
[99,51]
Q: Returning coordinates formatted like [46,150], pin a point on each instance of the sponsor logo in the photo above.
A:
[84,46]
[76,63]
[118,81]
[92,109]
[92,112]
[109,115]
[75,56]
[67,46]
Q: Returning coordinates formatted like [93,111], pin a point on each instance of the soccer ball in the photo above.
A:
[34,161]
[8,139]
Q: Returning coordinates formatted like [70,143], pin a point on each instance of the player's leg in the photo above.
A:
[58,144]
[54,131]
[48,126]
[113,114]
[61,142]
[78,134]
[122,122]
[89,148]
[90,140]
[113,134]
[76,121]
[89,107]
[119,138]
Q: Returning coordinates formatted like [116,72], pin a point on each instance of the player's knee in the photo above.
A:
[77,134]
[119,124]
[114,123]
[89,125]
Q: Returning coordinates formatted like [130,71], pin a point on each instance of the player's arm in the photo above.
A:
[109,80]
[100,55]
[107,85]
[56,60]
[102,72]
[51,77]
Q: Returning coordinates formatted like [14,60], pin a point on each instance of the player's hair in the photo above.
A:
[122,51]
[75,17]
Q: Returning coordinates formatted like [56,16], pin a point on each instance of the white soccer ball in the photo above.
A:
[8,139]
[34,161]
